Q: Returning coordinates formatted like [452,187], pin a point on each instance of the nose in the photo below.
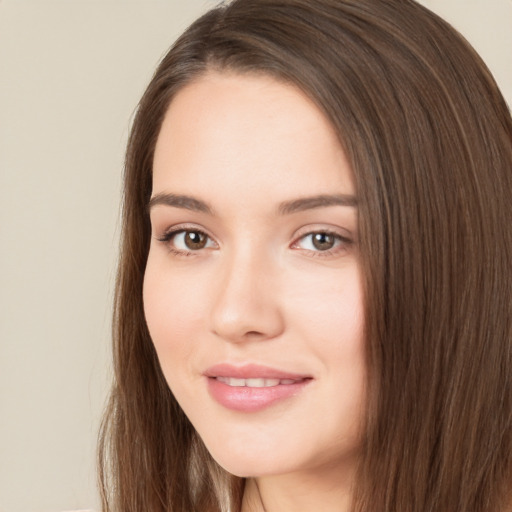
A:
[246,306]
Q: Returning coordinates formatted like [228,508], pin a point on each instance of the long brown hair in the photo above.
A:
[429,138]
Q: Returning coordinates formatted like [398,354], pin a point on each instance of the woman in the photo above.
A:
[313,307]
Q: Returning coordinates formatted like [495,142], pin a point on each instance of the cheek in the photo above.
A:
[330,322]
[346,335]
[173,312]
[332,310]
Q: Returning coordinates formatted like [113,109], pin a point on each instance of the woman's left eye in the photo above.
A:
[321,241]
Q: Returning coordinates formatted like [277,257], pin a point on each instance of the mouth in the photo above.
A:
[256,382]
[252,388]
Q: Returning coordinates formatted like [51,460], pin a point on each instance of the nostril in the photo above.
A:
[253,334]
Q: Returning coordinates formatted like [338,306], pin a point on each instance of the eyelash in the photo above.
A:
[343,242]
[168,236]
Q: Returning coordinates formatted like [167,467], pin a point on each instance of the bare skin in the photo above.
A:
[254,264]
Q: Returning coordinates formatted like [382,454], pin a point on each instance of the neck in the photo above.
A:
[298,493]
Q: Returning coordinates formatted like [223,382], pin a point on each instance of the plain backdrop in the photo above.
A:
[71,73]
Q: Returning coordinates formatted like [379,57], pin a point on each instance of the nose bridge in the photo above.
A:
[246,305]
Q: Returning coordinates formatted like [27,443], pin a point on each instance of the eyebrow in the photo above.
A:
[180,201]
[285,208]
[320,201]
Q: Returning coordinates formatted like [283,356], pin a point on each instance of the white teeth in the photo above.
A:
[261,383]
[236,383]
[254,383]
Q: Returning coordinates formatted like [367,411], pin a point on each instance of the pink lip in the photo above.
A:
[246,399]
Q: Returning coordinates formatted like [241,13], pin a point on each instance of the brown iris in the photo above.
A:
[323,241]
[195,240]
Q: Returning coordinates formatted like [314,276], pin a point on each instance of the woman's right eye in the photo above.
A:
[184,241]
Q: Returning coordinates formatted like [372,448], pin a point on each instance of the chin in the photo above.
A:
[252,462]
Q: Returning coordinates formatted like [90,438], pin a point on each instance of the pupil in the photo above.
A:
[195,240]
[323,241]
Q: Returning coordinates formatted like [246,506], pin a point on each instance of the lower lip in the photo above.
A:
[246,399]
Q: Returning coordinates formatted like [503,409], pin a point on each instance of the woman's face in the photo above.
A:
[252,291]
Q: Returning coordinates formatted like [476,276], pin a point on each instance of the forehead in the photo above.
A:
[249,131]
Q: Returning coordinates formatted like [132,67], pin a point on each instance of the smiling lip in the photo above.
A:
[251,388]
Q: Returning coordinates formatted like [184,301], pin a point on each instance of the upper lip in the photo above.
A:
[251,371]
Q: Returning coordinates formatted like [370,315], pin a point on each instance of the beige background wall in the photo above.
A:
[71,72]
